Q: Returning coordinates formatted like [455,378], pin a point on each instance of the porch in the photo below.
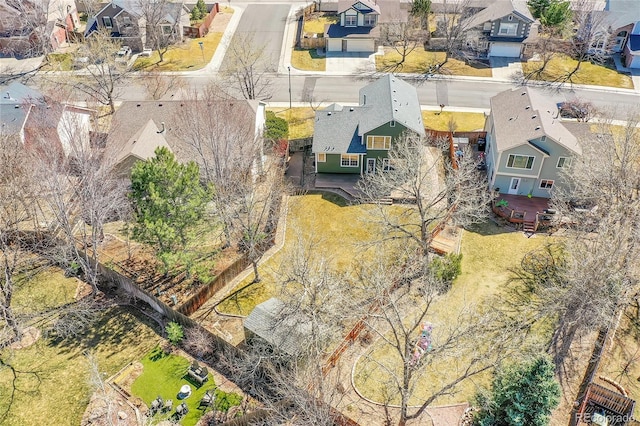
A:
[530,212]
[344,182]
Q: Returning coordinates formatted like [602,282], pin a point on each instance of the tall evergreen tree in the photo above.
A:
[521,394]
[168,201]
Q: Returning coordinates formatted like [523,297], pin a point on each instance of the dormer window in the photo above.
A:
[351,20]
[370,20]
[510,18]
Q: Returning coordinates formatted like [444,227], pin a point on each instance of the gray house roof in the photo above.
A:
[287,333]
[15,103]
[344,5]
[340,129]
[136,121]
[499,9]
[524,114]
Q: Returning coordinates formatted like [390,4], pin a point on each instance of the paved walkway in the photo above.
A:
[505,68]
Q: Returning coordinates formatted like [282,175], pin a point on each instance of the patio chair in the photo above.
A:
[207,399]
[168,405]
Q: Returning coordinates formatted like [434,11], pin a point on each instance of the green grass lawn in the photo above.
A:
[326,217]
[308,60]
[465,121]
[300,121]
[317,24]
[63,392]
[47,290]
[183,57]
[488,252]
[164,374]
[592,74]
[419,60]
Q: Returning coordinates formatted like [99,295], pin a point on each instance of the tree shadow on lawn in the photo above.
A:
[331,197]
[490,227]
[110,330]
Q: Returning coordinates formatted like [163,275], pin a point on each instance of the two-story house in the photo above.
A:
[34,27]
[130,23]
[527,144]
[358,29]
[358,139]
[499,30]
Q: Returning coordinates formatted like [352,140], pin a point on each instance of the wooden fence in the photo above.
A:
[312,42]
[202,29]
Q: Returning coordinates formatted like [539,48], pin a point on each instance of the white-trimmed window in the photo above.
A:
[392,123]
[386,165]
[378,142]
[106,20]
[349,160]
[520,161]
[321,157]
[350,20]
[543,138]
[563,162]
[546,184]
[126,20]
[509,29]
[369,20]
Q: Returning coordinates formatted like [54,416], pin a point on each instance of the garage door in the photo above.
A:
[334,45]
[505,50]
[360,45]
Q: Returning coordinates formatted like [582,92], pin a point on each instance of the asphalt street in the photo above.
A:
[264,24]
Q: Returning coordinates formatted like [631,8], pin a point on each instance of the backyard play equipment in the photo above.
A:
[423,345]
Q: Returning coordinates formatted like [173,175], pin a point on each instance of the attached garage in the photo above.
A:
[334,45]
[360,45]
[505,50]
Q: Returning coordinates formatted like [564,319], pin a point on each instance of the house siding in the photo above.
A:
[384,130]
[332,165]
[522,31]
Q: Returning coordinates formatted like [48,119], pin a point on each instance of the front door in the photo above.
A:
[515,184]
[371,165]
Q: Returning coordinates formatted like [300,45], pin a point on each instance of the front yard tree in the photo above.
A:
[162,23]
[247,67]
[521,394]
[420,172]
[103,77]
[168,202]
[402,38]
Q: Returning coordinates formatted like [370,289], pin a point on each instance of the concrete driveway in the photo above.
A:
[341,63]
[505,68]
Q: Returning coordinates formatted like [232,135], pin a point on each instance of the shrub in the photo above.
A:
[445,269]
[174,333]
[276,127]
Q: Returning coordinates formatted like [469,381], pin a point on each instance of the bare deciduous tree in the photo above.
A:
[158,85]
[421,174]
[162,18]
[417,340]
[103,77]
[402,38]
[247,67]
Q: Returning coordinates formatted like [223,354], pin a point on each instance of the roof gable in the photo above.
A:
[362,6]
[498,10]
[522,115]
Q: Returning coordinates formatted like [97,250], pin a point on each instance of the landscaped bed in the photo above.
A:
[164,374]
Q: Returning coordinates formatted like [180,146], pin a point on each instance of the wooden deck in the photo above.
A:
[520,209]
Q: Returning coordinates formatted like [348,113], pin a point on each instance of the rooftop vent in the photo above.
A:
[351,109]
[159,105]
[527,107]
[523,93]
[537,128]
[534,116]
[329,113]
[17,106]
[137,105]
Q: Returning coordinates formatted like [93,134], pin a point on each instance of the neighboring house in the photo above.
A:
[41,123]
[128,23]
[631,53]
[612,27]
[359,26]
[138,128]
[501,29]
[358,139]
[34,27]
[527,144]
[285,334]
